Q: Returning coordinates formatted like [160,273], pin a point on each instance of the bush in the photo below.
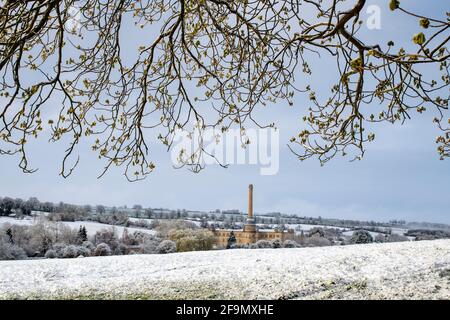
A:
[51,254]
[192,240]
[88,245]
[361,236]
[165,227]
[149,246]
[59,248]
[138,237]
[102,249]
[276,244]
[70,251]
[263,244]
[166,246]
[241,246]
[83,251]
[11,252]
[424,234]
[290,244]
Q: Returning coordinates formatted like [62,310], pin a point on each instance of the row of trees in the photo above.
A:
[70,212]
[19,206]
[7,205]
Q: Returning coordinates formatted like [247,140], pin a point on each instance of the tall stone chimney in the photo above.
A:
[250,201]
[250,225]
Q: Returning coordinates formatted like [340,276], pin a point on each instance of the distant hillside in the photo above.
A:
[72,212]
[406,270]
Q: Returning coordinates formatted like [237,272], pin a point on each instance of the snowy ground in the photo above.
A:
[23,222]
[91,226]
[307,227]
[405,270]
[139,219]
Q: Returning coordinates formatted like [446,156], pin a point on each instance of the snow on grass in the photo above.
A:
[403,270]
[149,220]
[92,227]
[307,227]
[27,221]
[140,219]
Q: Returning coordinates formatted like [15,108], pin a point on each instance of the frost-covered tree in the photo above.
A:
[83,251]
[361,236]
[88,245]
[150,245]
[10,251]
[100,209]
[290,244]
[192,240]
[102,249]
[87,208]
[276,244]
[6,205]
[263,244]
[166,246]
[59,249]
[51,254]
[164,227]
[70,251]
[82,234]
[108,236]
[137,208]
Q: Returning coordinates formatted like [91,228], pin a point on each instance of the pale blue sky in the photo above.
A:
[400,177]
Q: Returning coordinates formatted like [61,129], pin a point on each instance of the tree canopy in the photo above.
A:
[68,72]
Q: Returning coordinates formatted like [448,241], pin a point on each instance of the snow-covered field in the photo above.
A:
[91,226]
[23,222]
[404,270]
[307,227]
[197,223]
[139,219]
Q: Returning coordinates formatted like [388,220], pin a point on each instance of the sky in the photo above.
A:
[400,177]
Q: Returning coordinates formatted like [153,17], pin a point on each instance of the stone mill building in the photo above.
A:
[250,233]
